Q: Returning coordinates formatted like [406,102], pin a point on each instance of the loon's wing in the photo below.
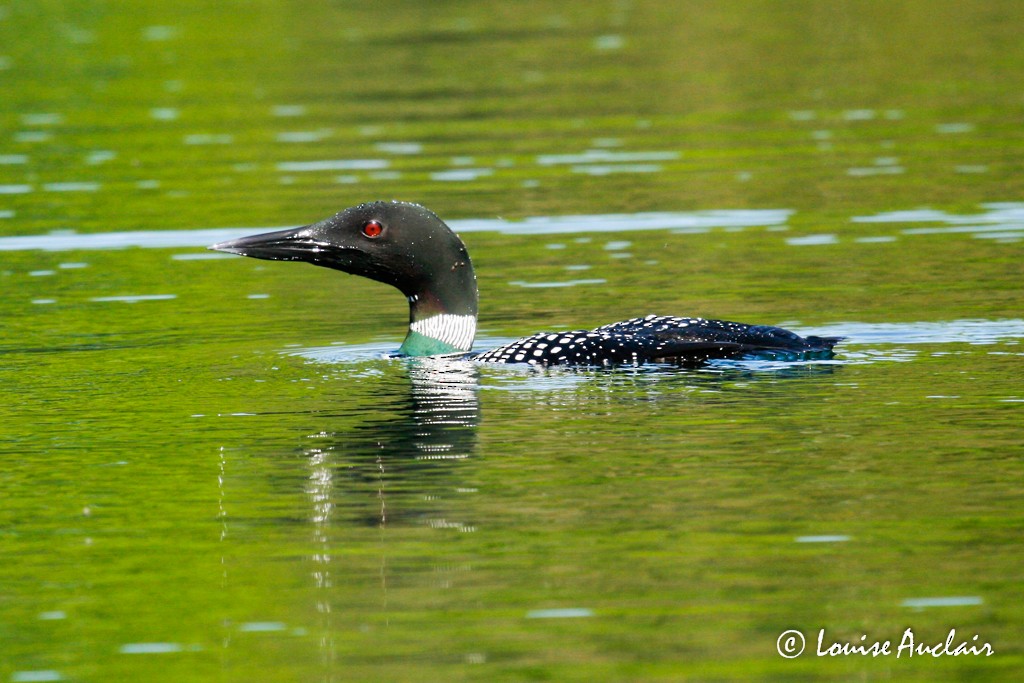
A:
[693,353]
[742,339]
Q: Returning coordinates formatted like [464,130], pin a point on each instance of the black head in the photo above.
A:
[401,244]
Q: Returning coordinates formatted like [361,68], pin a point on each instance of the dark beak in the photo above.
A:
[317,244]
[295,244]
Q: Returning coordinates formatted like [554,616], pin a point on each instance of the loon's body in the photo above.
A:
[407,246]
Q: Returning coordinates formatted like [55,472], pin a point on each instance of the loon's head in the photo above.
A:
[401,244]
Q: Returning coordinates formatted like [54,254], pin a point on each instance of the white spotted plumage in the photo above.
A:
[655,338]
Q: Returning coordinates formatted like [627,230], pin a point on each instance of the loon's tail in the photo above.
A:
[822,343]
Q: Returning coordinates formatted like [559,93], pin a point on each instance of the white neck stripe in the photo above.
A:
[456,330]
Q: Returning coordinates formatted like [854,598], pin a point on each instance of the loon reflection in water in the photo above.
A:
[407,246]
[396,465]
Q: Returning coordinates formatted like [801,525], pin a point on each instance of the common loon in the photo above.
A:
[407,246]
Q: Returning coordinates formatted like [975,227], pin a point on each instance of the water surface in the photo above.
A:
[212,470]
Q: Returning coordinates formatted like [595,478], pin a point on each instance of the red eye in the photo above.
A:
[373,229]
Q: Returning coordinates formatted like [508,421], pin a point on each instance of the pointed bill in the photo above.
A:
[294,244]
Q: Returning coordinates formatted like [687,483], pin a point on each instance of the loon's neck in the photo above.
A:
[442,313]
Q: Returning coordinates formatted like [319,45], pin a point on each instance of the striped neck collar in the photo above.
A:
[439,334]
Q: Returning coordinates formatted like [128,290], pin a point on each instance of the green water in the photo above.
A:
[208,471]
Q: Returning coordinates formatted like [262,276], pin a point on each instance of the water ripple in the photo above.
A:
[685,221]
[954,331]
[855,334]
